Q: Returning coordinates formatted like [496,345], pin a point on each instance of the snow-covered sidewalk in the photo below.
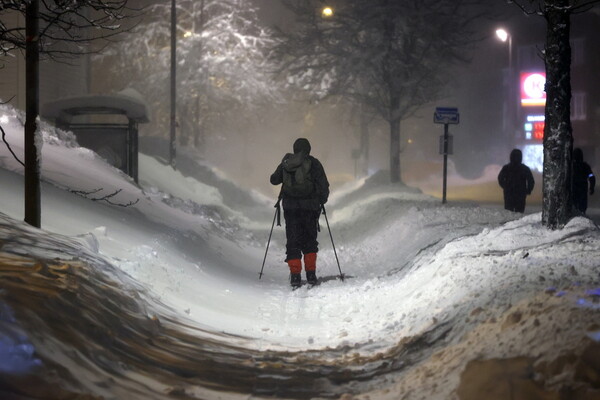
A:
[411,265]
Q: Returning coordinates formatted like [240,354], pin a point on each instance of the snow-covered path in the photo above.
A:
[416,271]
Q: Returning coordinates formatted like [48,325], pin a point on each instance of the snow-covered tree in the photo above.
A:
[222,63]
[59,29]
[557,208]
[391,56]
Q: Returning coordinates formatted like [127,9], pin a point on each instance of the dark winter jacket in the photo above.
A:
[516,178]
[320,193]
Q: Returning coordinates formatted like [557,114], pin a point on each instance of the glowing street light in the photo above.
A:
[327,12]
[502,34]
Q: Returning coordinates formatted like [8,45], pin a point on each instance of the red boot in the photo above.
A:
[310,266]
[310,262]
[295,270]
[295,265]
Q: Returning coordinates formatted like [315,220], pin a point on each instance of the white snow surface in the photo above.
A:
[409,261]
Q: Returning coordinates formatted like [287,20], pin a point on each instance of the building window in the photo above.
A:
[530,56]
[577,51]
[578,106]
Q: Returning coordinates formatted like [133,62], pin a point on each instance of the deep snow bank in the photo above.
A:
[412,265]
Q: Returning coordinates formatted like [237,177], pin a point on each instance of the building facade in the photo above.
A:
[530,97]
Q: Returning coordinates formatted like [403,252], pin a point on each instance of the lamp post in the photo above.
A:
[509,119]
[173,116]
[504,36]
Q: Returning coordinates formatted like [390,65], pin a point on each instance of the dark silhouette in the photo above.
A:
[582,175]
[517,182]
[305,189]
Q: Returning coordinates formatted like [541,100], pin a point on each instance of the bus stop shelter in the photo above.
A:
[106,124]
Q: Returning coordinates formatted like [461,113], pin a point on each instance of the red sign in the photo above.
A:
[533,89]
[538,130]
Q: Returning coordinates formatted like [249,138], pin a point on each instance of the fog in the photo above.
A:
[247,143]
[157,294]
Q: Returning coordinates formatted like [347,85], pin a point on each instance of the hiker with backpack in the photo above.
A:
[304,192]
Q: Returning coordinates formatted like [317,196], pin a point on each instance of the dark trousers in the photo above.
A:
[514,202]
[580,201]
[301,232]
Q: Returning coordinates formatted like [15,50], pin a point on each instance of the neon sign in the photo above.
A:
[534,127]
[533,89]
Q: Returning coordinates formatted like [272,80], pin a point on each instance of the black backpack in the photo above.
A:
[297,179]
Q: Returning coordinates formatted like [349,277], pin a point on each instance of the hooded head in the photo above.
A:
[516,156]
[302,145]
[578,155]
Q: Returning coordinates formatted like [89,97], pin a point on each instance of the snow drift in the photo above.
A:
[431,290]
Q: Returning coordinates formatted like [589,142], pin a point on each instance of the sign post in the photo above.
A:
[446,116]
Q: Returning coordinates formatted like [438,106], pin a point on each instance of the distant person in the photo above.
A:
[305,189]
[516,180]
[583,180]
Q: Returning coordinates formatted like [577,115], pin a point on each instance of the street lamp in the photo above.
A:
[503,35]
[173,86]
[327,12]
[510,104]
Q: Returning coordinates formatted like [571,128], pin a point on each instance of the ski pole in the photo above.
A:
[275,217]
[332,244]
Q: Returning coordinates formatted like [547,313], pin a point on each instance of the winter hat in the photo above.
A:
[578,155]
[302,145]
[516,156]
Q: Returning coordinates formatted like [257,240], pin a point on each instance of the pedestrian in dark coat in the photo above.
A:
[516,180]
[583,180]
[305,189]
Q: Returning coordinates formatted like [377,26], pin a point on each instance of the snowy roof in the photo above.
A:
[128,102]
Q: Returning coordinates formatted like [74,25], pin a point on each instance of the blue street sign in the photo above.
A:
[446,115]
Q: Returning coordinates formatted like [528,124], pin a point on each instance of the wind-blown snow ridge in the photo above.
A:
[414,268]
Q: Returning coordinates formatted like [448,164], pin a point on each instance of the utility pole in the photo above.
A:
[172,140]
[32,109]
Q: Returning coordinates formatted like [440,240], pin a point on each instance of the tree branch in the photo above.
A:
[107,198]
[8,145]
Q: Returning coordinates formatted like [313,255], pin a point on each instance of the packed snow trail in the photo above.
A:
[65,294]
[181,271]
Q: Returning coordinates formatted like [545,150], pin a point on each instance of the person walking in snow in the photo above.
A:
[582,176]
[304,191]
[516,180]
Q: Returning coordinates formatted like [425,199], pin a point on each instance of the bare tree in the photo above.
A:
[49,23]
[557,208]
[393,57]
